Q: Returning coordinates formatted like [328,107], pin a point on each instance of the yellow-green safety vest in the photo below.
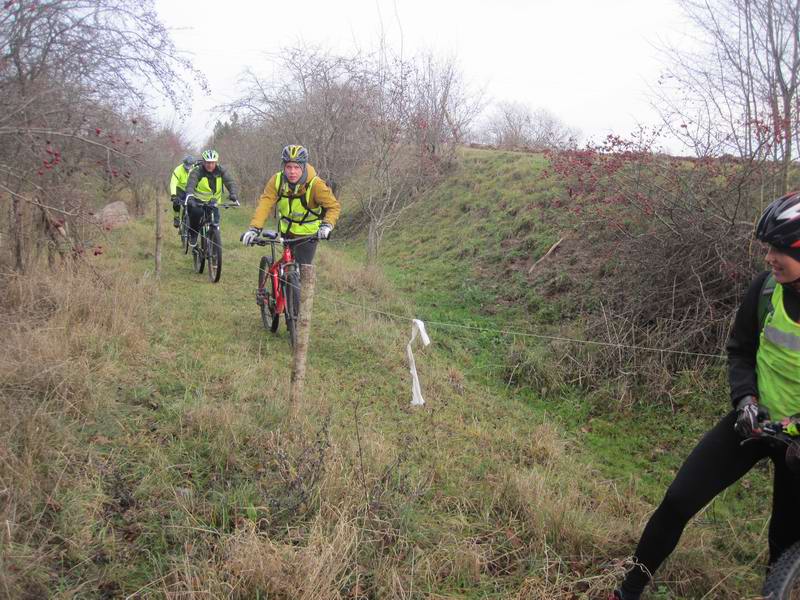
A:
[204,193]
[178,180]
[296,216]
[778,361]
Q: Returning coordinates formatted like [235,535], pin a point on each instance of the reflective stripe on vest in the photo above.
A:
[778,361]
[296,216]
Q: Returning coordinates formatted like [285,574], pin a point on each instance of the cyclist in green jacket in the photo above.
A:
[204,186]
[177,186]
[764,377]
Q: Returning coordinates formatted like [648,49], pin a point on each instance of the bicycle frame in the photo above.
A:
[209,244]
[276,275]
[208,221]
[211,219]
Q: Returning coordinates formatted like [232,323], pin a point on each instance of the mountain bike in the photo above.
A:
[783,580]
[278,291]
[208,248]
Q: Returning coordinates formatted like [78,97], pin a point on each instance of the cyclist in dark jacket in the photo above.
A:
[204,186]
[764,376]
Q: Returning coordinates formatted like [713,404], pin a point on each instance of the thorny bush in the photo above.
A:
[673,239]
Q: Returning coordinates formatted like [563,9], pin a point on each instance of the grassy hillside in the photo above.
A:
[147,451]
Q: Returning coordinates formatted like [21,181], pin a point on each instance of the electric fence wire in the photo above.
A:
[511,332]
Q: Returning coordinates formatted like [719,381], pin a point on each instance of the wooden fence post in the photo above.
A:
[308,279]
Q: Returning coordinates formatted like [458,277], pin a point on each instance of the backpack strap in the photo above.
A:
[317,213]
[765,307]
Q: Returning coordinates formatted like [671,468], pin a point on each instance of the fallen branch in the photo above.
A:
[546,254]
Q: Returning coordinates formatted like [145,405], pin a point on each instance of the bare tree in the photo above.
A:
[420,110]
[72,73]
[316,100]
[442,108]
[388,125]
[514,125]
[738,94]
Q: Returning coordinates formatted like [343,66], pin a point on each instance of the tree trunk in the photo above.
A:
[18,226]
[787,151]
[373,242]
[138,203]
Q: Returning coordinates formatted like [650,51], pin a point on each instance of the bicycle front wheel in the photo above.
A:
[266,296]
[292,310]
[214,255]
[184,231]
[783,581]
[199,253]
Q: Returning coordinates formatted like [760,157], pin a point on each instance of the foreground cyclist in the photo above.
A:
[204,185]
[306,204]
[177,186]
[764,377]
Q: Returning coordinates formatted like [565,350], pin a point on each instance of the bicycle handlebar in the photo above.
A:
[236,204]
[274,237]
[787,427]
[785,431]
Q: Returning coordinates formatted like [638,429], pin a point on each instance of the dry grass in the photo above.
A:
[64,331]
[221,497]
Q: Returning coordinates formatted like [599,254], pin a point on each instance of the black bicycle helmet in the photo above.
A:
[188,161]
[779,225]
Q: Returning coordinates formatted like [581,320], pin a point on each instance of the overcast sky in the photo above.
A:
[590,62]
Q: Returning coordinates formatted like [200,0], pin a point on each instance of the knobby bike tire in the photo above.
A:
[184,231]
[199,252]
[783,581]
[292,310]
[214,245]
[269,317]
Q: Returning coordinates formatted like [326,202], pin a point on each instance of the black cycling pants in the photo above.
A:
[304,251]
[196,210]
[716,462]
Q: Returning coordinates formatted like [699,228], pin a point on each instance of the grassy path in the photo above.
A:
[177,474]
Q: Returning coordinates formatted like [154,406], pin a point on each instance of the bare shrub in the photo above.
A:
[75,85]
[514,126]
[672,237]
[737,92]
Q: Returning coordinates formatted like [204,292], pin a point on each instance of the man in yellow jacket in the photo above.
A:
[306,205]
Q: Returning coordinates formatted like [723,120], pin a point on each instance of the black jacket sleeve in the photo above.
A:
[229,183]
[191,182]
[743,344]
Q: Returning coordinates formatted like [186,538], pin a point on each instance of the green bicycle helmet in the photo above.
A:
[210,155]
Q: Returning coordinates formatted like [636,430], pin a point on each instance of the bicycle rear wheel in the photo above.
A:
[292,310]
[266,297]
[214,245]
[199,252]
[783,581]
